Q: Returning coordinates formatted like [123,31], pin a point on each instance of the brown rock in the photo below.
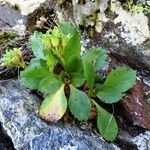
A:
[137,106]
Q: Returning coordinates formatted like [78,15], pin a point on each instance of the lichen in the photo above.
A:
[134,27]
[137,6]
[26,7]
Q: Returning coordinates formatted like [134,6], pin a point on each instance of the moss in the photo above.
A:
[5,36]
[134,7]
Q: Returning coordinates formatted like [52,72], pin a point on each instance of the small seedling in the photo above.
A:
[69,79]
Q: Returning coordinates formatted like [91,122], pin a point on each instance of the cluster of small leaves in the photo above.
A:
[13,58]
[69,79]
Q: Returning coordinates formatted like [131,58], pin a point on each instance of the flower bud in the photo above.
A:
[55,41]
[47,41]
[64,41]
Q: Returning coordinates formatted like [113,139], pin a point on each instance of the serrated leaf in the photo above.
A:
[54,106]
[96,54]
[50,84]
[77,79]
[117,82]
[74,65]
[73,45]
[37,45]
[89,72]
[106,124]
[33,74]
[68,28]
[79,104]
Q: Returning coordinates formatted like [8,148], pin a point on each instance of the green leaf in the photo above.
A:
[89,72]
[68,29]
[50,84]
[100,62]
[37,45]
[50,60]
[117,82]
[106,124]
[73,46]
[77,79]
[54,106]
[33,74]
[79,104]
[75,65]
[97,54]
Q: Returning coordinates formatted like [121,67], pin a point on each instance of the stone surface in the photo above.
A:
[22,16]
[125,37]
[12,19]
[142,141]
[132,30]
[5,141]
[19,118]
[137,105]
[26,7]
[127,141]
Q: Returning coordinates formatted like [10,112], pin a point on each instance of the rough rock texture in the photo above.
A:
[137,106]
[22,16]
[126,38]
[19,118]
[10,17]
[5,141]
[127,141]
[26,7]
[142,141]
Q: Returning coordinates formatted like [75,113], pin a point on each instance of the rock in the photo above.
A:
[131,137]
[134,142]
[22,16]
[137,106]
[20,120]
[142,141]
[12,19]
[26,7]
[124,36]
[5,141]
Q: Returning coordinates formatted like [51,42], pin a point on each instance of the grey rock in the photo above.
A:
[19,118]
[142,141]
[11,19]
[22,17]
[10,16]
[5,141]
[137,142]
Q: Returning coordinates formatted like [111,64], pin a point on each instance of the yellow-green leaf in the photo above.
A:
[54,106]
